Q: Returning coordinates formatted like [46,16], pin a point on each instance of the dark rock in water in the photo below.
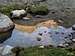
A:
[6,27]
[73,27]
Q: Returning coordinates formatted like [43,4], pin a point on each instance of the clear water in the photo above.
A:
[24,39]
[19,38]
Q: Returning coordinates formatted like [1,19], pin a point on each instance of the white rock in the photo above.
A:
[41,46]
[60,45]
[66,44]
[17,13]
[22,11]
[73,40]
[26,18]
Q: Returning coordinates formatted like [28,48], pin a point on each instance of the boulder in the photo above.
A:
[6,27]
[18,14]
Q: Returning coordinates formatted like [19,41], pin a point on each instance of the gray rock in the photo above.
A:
[6,27]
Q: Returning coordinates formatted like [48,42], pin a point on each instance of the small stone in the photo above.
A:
[38,39]
[25,18]
[60,21]
[73,27]
[18,13]
[66,45]
[61,45]
[73,40]
[41,46]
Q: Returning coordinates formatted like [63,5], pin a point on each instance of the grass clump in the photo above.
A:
[6,9]
[35,51]
[38,9]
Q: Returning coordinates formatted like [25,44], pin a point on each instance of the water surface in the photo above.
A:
[25,39]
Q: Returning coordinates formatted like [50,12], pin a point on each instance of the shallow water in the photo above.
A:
[24,39]
[19,38]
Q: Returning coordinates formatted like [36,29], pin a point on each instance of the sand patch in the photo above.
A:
[25,28]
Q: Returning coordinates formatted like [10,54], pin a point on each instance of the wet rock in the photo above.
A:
[38,38]
[6,27]
[73,27]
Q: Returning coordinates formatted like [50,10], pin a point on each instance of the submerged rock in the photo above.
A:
[6,27]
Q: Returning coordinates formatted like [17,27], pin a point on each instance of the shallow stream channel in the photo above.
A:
[48,37]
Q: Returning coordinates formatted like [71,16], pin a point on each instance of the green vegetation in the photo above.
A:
[6,9]
[35,51]
[38,9]
[35,9]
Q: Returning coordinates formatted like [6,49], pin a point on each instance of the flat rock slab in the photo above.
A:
[5,23]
